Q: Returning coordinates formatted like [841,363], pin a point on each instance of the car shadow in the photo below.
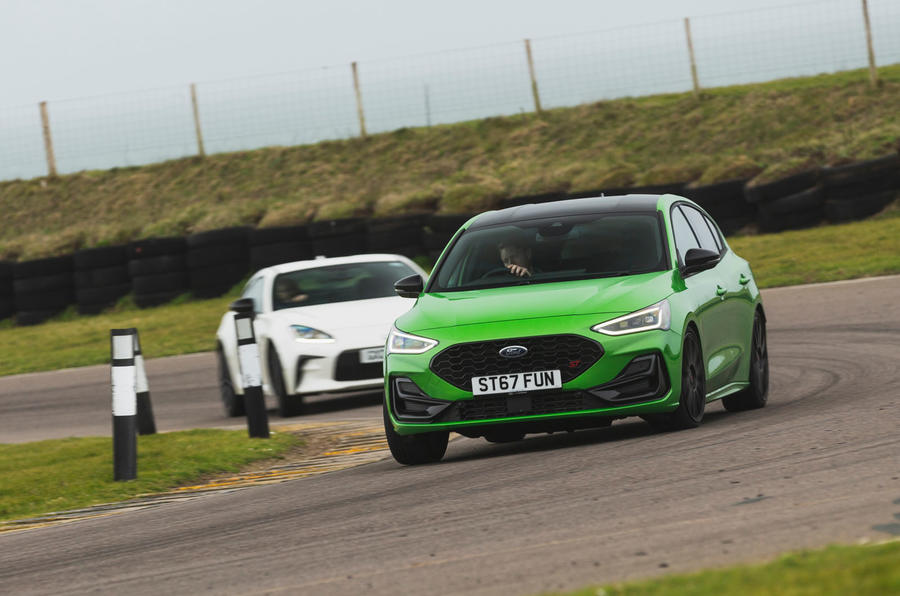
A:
[334,403]
[621,430]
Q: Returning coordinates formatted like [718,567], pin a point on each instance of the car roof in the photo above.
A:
[326,261]
[590,205]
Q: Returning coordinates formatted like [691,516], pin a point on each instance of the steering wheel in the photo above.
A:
[495,271]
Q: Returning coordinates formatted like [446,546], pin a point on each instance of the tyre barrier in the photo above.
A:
[725,202]
[101,277]
[158,270]
[217,260]
[438,231]
[790,185]
[272,246]
[338,237]
[7,297]
[799,210]
[42,288]
[858,190]
[398,235]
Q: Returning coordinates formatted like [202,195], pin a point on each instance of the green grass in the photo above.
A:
[62,474]
[861,249]
[765,130]
[836,570]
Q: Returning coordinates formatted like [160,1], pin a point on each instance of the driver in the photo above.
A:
[516,256]
[287,291]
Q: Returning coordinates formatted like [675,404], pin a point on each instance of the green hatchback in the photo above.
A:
[568,315]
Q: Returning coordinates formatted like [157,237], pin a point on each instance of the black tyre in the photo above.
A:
[692,404]
[97,258]
[50,301]
[34,317]
[42,267]
[7,308]
[859,207]
[355,226]
[413,450]
[789,221]
[339,246]
[757,394]
[233,403]
[219,254]
[881,171]
[722,199]
[156,247]
[278,235]
[157,265]
[163,282]
[761,193]
[807,200]
[209,282]
[43,283]
[288,403]
[504,435]
[102,276]
[266,255]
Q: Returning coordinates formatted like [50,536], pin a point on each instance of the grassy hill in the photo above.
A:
[764,130]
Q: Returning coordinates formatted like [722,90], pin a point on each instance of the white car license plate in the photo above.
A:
[370,355]
[527,381]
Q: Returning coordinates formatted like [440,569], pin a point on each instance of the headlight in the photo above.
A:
[304,333]
[399,342]
[657,316]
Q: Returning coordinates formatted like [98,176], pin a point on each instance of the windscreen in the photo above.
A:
[552,250]
[337,283]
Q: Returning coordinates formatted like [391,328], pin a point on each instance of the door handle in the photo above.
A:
[720,291]
[744,280]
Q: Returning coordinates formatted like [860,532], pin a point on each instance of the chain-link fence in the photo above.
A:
[339,102]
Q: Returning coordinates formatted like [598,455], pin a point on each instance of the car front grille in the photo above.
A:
[349,368]
[570,354]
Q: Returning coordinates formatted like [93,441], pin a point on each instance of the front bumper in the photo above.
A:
[637,374]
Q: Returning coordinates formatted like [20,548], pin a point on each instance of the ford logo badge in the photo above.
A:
[513,351]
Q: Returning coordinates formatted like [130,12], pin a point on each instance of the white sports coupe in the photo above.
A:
[320,325]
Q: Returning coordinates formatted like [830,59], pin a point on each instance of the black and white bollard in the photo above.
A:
[251,379]
[146,424]
[124,404]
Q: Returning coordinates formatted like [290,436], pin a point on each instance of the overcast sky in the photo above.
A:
[60,49]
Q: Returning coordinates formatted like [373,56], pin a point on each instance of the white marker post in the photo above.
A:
[146,424]
[124,404]
[251,378]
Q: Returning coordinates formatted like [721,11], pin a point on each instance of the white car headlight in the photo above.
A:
[399,342]
[657,316]
[304,333]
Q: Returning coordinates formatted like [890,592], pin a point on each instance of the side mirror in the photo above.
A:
[410,287]
[242,305]
[699,259]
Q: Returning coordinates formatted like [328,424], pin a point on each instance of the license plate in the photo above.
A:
[527,381]
[371,355]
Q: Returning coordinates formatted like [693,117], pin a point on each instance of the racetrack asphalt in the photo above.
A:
[820,464]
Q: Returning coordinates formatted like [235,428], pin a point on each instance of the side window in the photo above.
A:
[715,232]
[684,237]
[701,229]
[254,290]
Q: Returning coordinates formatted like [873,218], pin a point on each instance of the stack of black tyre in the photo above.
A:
[398,235]
[725,202]
[797,201]
[272,246]
[860,189]
[101,277]
[217,260]
[42,288]
[438,230]
[7,297]
[338,237]
[158,270]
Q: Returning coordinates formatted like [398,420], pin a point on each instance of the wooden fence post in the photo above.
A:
[48,140]
[690,45]
[873,70]
[359,104]
[201,151]
[534,85]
